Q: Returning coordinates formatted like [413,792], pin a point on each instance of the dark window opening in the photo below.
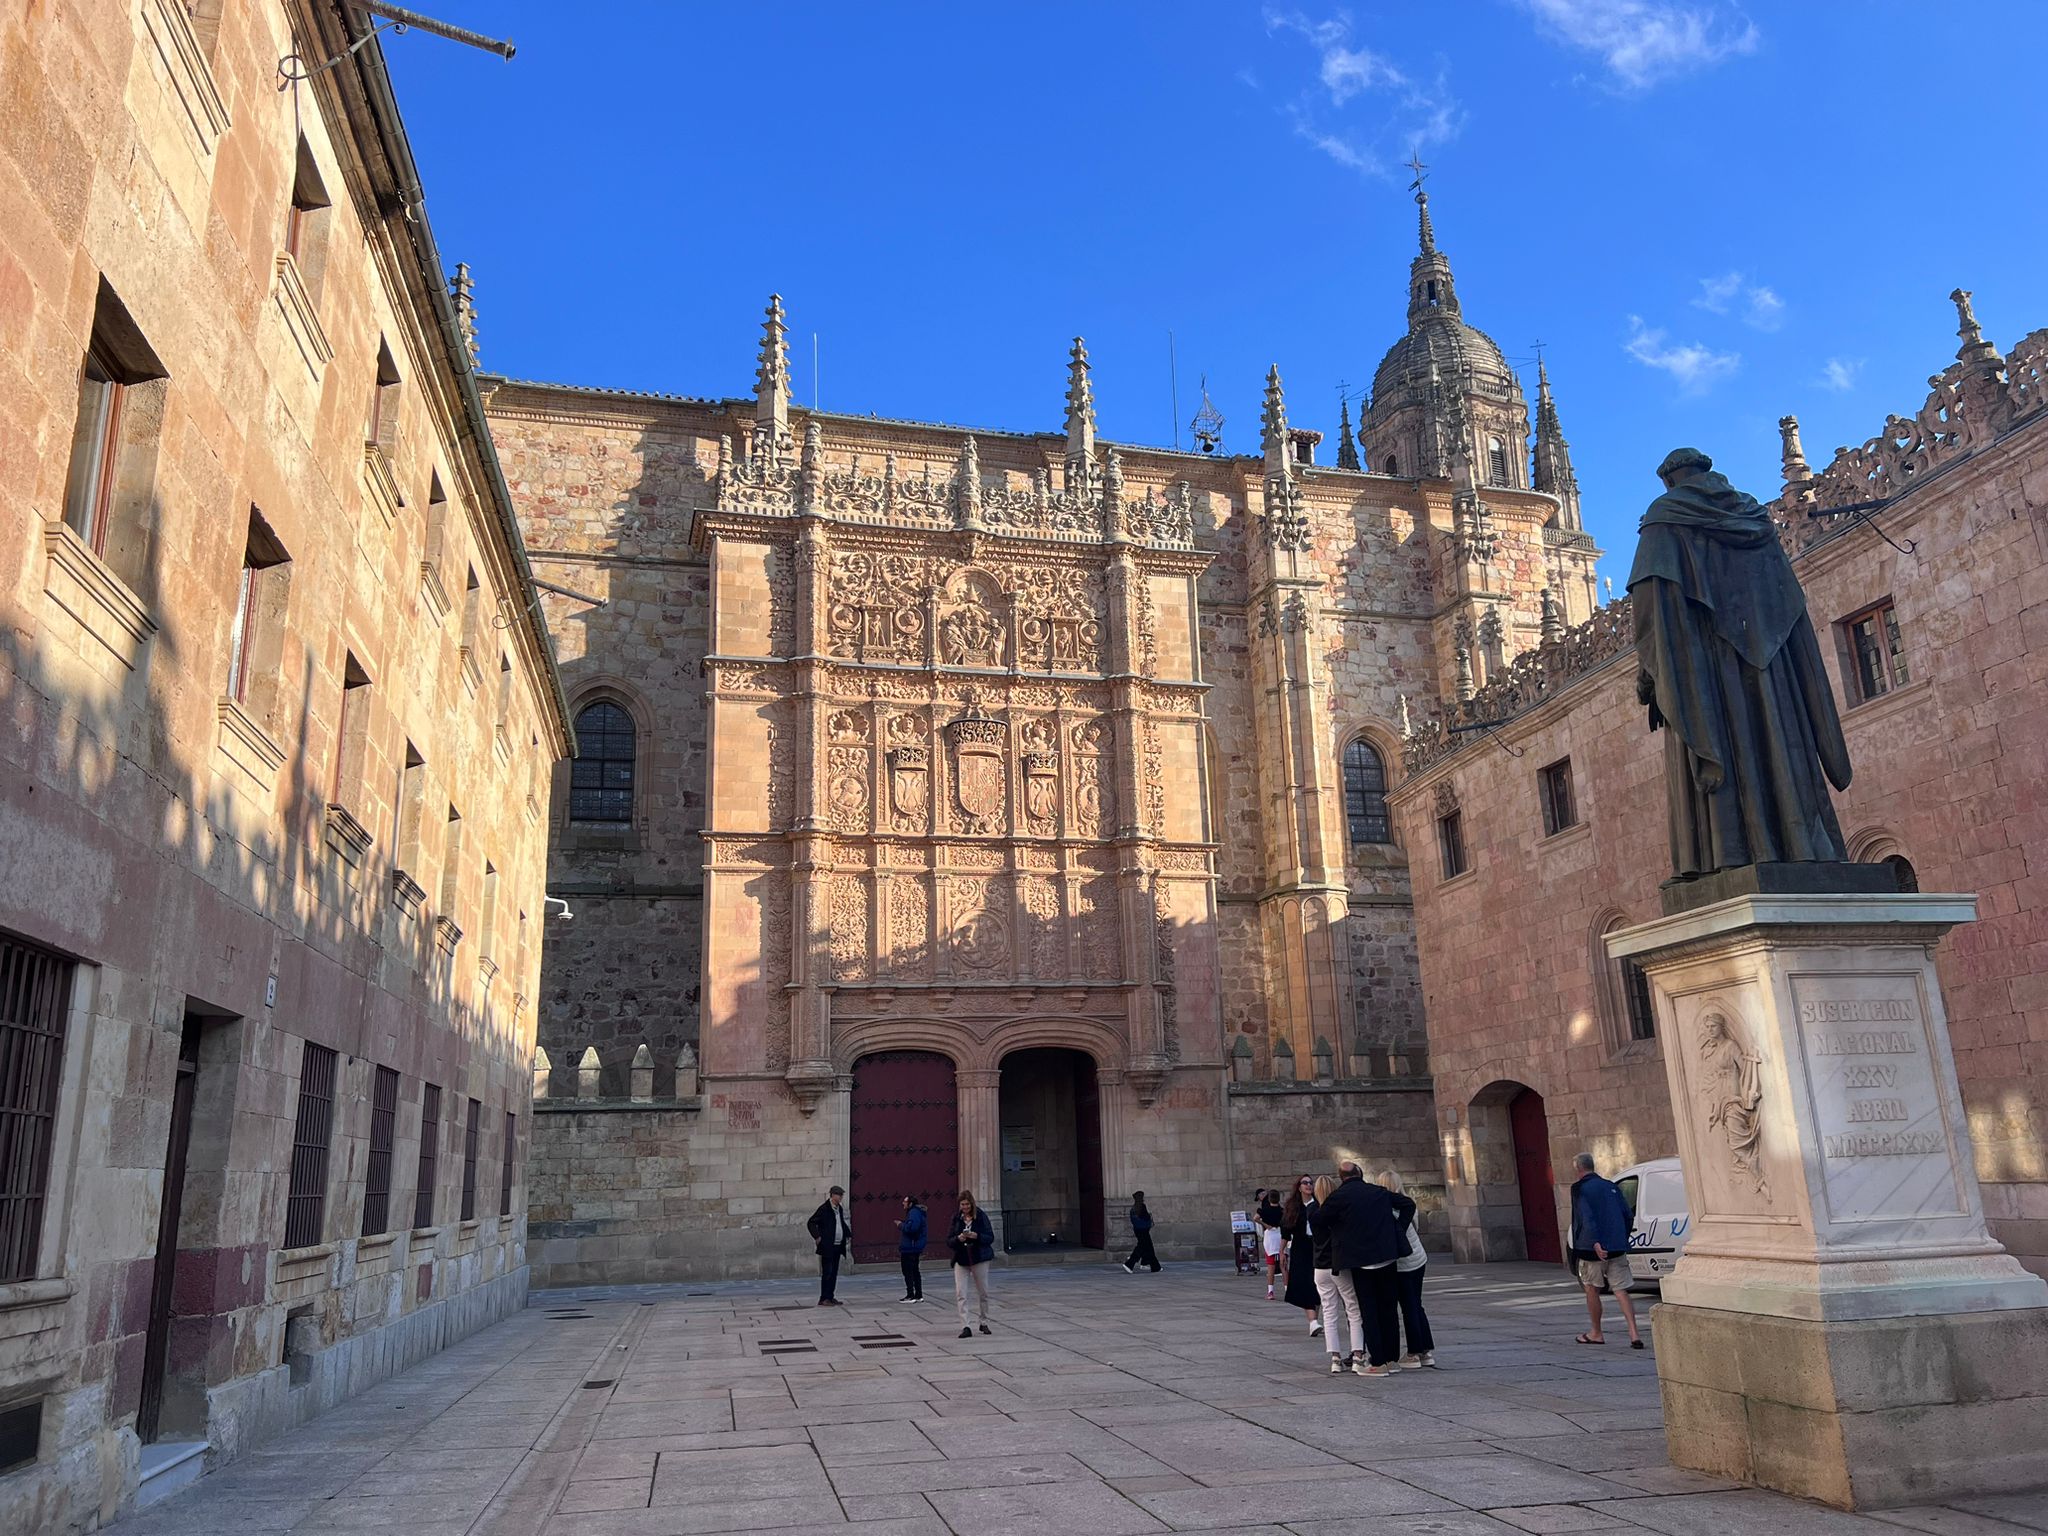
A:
[306,1205]
[1635,991]
[505,1172]
[377,1170]
[1365,793]
[601,777]
[1554,788]
[430,1156]
[469,1162]
[1450,841]
[21,1435]
[35,997]
[1393,465]
[1877,651]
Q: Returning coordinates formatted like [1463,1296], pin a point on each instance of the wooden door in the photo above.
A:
[903,1135]
[1531,1131]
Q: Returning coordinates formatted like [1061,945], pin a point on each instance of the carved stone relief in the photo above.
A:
[850,935]
[1732,1089]
[980,770]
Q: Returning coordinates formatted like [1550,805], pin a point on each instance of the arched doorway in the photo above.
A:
[1537,1185]
[903,1137]
[1050,1116]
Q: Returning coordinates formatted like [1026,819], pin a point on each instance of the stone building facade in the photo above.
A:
[1932,607]
[1014,797]
[279,726]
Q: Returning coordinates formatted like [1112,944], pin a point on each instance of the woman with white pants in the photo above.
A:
[1340,1296]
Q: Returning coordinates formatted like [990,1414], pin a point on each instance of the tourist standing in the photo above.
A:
[1600,1227]
[1408,1272]
[973,1241]
[1141,1233]
[1270,1238]
[1295,1218]
[1365,1238]
[831,1231]
[910,1241]
[1333,1285]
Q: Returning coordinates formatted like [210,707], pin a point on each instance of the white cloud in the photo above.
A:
[1361,102]
[1839,373]
[1642,42]
[1762,309]
[1695,368]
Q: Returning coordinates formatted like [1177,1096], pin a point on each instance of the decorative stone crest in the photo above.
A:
[978,763]
[909,788]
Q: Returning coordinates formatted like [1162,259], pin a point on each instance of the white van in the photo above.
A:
[1655,1192]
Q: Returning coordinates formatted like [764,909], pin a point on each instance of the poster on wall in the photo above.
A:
[1020,1149]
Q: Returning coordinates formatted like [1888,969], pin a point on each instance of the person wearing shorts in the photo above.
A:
[1600,1228]
[1272,1241]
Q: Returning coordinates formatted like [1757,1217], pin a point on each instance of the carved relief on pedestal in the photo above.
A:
[979,772]
[1732,1094]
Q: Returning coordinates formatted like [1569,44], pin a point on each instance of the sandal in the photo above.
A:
[1587,1338]
[1635,1343]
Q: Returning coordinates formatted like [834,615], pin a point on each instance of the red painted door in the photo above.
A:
[904,1137]
[1088,1151]
[1532,1173]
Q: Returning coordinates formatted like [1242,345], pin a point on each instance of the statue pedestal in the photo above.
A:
[1841,1325]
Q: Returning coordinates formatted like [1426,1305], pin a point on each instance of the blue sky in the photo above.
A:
[1710,216]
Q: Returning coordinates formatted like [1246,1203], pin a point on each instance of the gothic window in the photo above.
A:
[1874,647]
[1393,465]
[1365,793]
[1496,461]
[601,778]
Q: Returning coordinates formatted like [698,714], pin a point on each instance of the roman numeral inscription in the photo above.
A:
[1883,1142]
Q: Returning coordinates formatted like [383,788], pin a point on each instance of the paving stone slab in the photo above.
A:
[1349,1496]
[1500,1480]
[1092,1508]
[968,1472]
[1716,1514]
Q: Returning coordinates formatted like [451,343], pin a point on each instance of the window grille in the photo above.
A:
[1554,788]
[377,1170]
[601,778]
[35,995]
[505,1173]
[430,1148]
[469,1163]
[1635,987]
[1365,793]
[307,1203]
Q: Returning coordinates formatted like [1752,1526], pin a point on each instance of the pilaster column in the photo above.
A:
[981,1138]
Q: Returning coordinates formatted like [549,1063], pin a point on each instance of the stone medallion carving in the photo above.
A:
[981,941]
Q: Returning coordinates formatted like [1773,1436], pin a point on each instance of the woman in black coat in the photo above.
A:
[1295,1219]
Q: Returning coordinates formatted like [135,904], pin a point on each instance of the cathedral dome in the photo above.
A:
[1445,343]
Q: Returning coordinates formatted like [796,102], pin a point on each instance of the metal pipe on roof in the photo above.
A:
[453,33]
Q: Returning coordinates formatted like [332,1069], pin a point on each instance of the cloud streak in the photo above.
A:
[1839,373]
[1644,42]
[1695,368]
[1361,100]
[1758,305]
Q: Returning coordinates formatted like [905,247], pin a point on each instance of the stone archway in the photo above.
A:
[1050,1116]
[903,1138]
[1512,1213]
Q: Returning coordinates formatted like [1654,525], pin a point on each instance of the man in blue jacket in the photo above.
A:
[1600,1228]
[910,1240]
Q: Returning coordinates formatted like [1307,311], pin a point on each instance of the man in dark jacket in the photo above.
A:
[831,1231]
[1600,1229]
[1368,1226]
[1141,1233]
[910,1240]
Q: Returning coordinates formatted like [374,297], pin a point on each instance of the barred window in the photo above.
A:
[469,1162]
[505,1172]
[377,1171]
[35,995]
[1365,793]
[306,1206]
[601,778]
[430,1148]
[1635,990]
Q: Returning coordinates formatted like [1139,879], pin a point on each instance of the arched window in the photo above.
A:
[1393,465]
[1365,793]
[601,778]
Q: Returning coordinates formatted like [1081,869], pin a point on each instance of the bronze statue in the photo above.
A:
[1732,673]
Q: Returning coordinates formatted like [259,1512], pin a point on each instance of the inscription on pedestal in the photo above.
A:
[1876,1098]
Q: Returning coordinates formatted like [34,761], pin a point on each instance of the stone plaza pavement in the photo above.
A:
[1102,1403]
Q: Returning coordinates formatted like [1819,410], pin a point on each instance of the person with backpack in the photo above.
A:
[910,1240]
[1141,1229]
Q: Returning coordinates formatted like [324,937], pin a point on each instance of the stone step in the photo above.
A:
[168,1466]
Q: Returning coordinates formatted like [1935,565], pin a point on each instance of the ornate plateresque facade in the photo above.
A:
[1007,743]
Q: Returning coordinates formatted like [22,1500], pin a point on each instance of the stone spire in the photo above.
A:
[1794,452]
[1974,348]
[463,291]
[1273,424]
[1553,467]
[1430,289]
[771,379]
[1080,420]
[1347,446]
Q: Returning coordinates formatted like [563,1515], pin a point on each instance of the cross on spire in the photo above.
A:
[1415,164]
